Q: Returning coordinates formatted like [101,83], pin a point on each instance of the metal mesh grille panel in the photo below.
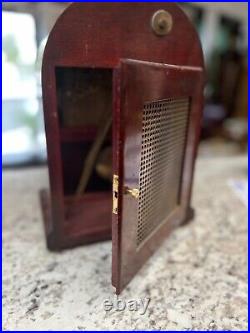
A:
[163,140]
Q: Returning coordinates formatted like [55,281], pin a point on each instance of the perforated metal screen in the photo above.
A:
[163,141]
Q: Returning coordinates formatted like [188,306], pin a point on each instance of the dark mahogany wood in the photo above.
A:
[105,36]
[75,234]
[141,82]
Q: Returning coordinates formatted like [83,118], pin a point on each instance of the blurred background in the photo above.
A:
[223,28]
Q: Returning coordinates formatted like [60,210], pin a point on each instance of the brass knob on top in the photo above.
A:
[162,22]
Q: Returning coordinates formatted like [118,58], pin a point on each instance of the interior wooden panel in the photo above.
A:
[81,223]
[73,154]
[84,95]
[84,101]
[81,211]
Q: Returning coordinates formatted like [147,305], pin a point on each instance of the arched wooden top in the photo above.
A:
[100,34]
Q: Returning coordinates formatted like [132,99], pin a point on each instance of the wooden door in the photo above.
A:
[157,114]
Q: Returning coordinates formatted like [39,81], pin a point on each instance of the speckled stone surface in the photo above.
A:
[196,280]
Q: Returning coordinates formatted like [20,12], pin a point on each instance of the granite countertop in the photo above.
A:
[196,280]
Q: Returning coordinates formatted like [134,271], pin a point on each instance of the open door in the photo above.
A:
[157,114]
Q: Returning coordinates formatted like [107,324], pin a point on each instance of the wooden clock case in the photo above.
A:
[140,65]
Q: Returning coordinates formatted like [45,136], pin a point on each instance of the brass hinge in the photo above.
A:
[115,193]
